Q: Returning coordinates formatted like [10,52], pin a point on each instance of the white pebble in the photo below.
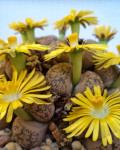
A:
[83,148]
[76,145]
[5,131]
[48,141]
[46,147]
[13,146]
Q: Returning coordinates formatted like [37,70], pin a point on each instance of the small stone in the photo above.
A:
[5,131]
[13,146]
[4,148]
[46,40]
[54,146]
[46,147]
[83,148]
[76,145]
[59,77]
[88,79]
[48,141]
[28,134]
[4,140]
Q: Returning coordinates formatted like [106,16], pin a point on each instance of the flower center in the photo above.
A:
[73,39]
[10,92]
[12,42]
[100,109]
[97,101]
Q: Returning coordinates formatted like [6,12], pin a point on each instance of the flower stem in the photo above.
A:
[103,41]
[76,58]
[30,35]
[75,26]
[116,83]
[19,61]
[24,37]
[20,112]
[61,35]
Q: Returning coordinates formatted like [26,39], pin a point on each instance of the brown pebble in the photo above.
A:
[88,79]
[108,75]
[42,113]
[28,134]
[4,140]
[59,77]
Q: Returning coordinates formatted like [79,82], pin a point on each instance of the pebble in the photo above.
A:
[4,140]
[76,145]
[45,147]
[5,131]
[13,146]
[54,146]
[83,148]
[48,141]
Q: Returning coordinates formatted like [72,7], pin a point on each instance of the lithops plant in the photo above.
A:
[27,29]
[75,51]
[59,77]
[104,34]
[93,113]
[64,57]
[87,59]
[108,75]
[88,79]
[105,60]
[46,40]
[28,134]
[42,113]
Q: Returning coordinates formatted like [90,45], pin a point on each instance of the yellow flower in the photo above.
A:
[18,26]
[21,27]
[21,89]
[1,43]
[30,23]
[105,60]
[103,32]
[25,48]
[95,112]
[73,42]
[82,17]
[61,25]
